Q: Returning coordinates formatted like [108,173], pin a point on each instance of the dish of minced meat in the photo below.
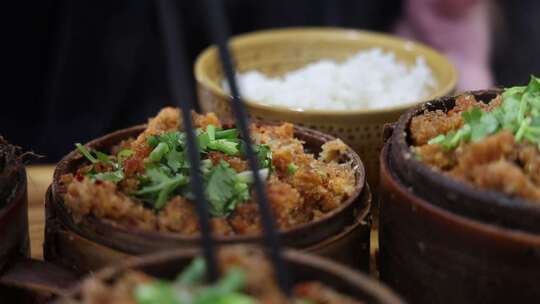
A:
[494,146]
[144,181]
[237,285]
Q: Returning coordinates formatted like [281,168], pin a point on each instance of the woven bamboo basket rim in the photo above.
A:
[459,222]
[374,290]
[354,203]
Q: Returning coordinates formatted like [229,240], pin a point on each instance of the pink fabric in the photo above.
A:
[458,28]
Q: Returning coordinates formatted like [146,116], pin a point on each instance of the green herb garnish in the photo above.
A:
[86,153]
[291,168]
[167,170]
[224,145]
[160,185]
[159,292]
[113,176]
[124,154]
[194,273]
[117,173]
[519,113]
[159,151]
[263,152]
[225,190]
[189,289]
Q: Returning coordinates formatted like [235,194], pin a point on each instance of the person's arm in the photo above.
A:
[458,28]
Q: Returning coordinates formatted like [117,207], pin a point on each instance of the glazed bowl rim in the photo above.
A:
[329,33]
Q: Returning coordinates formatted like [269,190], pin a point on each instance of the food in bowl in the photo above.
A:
[493,146]
[238,285]
[144,181]
[369,79]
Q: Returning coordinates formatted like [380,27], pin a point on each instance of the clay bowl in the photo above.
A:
[14,222]
[23,280]
[442,241]
[305,267]
[93,243]
[464,199]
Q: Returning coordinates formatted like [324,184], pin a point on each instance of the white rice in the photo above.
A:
[370,79]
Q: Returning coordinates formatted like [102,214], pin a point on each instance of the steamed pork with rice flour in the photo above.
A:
[238,285]
[144,182]
[493,146]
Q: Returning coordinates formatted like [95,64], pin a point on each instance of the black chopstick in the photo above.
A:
[167,13]
[219,31]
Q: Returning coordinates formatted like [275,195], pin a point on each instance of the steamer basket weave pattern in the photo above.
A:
[277,52]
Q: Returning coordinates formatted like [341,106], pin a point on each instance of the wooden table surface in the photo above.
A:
[39,178]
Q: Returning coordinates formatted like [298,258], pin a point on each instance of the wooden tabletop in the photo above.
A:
[39,178]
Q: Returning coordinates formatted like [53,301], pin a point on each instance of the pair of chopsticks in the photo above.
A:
[219,30]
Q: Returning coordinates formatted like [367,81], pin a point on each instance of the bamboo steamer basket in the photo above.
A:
[343,234]
[305,267]
[444,241]
[22,279]
[276,52]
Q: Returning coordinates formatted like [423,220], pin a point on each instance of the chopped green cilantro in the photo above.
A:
[167,169]
[227,134]
[152,141]
[194,273]
[263,152]
[519,113]
[189,288]
[86,153]
[223,145]
[112,176]
[159,151]
[115,176]
[102,157]
[159,292]
[291,168]
[124,154]
[176,160]
[225,190]
[160,185]
[203,140]
[211,130]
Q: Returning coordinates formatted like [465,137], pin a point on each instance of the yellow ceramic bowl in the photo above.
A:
[276,52]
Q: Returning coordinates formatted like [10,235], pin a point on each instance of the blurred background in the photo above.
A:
[99,65]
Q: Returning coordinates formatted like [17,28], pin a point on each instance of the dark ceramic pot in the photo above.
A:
[14,223]
[305,267]
[442,241]
[464,199]
[343,234]
[15,245]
